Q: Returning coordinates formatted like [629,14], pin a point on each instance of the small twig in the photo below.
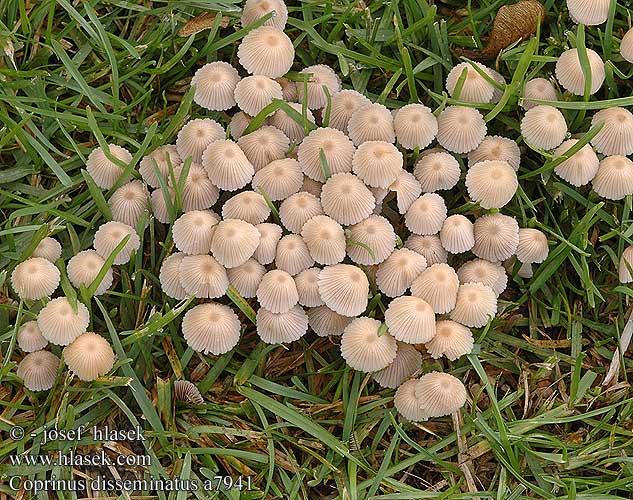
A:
[625,340]
[464,462]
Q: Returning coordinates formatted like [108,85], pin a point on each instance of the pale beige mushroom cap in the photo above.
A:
[84,268]
[580,168]
[475,304]
[626,46]
[344,289]
[457,234]
[215,84]
[199,193]
[325,322]
[374,233]
[491,183]
[437,285]
[363,349]
[589,12]
[429,246]
[270,234]
[49,249]
[227,166]
[346,199]
[614,179]
[108,237]
[169,276]
[497,148]
[533,247]
[193,231]
[460,129]
[203,277]
[293,130]
[129,203]
[325,239]
[162,157]
[297,209]
[437,171]
[377,163]
[264,145]
[61,325]
[246,278]
[426,215]
[35,278]
[103,171]
[308,287]
[248,206]
[30,338]
[320,76]
[337,148]
[89,356]
[483,271]
[396,274]
[407,361]
[266,51]
[410,319]
[407,189]
[211,328]
[475,88]
[195,136]
[415,126]
[255,92]
[256,9]
[279,179]
[538,88]
[277,328]
[372,122]
[496,237]
[544,127]
[626,261]
[570,75]
[344,103]
[234,242]
[440,394]
[406,402]
[451,340]
[38,370]
[277,292]
[616,136]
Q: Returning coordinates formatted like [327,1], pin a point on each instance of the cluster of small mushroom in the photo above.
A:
[61,321]
[306,227]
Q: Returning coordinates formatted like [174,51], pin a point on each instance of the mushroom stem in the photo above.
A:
[462,457]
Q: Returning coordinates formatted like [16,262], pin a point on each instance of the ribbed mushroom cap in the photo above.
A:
[407,190]
[363,349]
[410,320]
[451,340]
[289,89]
[49,249]
[277,328]
[406,402]
[38,370]
[375,233]
[59,324]
[266,51]
[616,136]
[396,274]
[248,206]
[496,237]
[30,338]
[35,278]
[227,166]
[346,199]
[159,206]
[279,179]
[428,246]
[129,203]
[457,234]
[308,287]
[89,356]
[581,168]
[372,122]
[284,122]
[415,126]
[103,171]
[407,361]
[626,46]
[187,392]
[247,277]
[199,193]
[437,171]
[162,157]
[440,394]
[256,9]
[325,322]
[544,127]
[297,209]
[475,303]
[215,84]
[485,272]
[570,75]
[193,231]
[525,271]
[264,145]
[344,103]
[589,12]
[532,248]
[270,234]
[344,289]
[460,129]
[239,123]
[337,149]
[538,88]
[211,328]
[203,277]
[169,276]
[626,262]
[325,239]
[377,163]
[254,93]
[320,76]
[277,291]
[234,242]
[614,179]
[195,136]
[491,183]
[497,148]
[426,215]
[437,285]
[293,255]
[475,88]
[84,268]
[497,94]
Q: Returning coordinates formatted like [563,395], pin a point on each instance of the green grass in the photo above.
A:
[541,425]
